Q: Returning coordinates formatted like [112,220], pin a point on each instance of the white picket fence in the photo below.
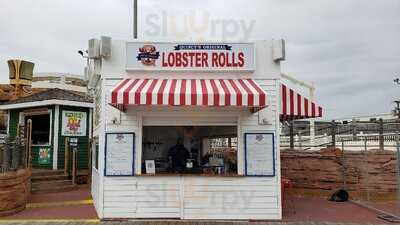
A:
[350,142]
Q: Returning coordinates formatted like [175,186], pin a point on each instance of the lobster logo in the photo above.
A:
[259,137]
[148,55]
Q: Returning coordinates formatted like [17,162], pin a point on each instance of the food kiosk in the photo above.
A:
[188,130]
[56,114]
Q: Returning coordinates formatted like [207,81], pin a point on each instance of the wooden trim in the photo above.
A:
[56,136]
[44,112]
[8,122]
[45,103]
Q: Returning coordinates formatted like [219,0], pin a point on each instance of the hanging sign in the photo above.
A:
[259,154]
[190,56]
[119,154]
[73,123]
[73,143]
[44,156]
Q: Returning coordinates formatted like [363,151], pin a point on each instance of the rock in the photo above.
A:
[322,171]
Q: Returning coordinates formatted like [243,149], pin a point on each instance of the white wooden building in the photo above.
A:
[142,86]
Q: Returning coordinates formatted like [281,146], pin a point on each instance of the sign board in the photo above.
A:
[3,138]
[73,143]
[259,154]
[73,123]
[190,56]
[150,166]
[119,154]
[44,156]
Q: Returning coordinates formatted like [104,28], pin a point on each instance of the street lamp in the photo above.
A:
[135,18]
[80,52]
[396,110]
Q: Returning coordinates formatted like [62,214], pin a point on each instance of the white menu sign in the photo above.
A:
[119,154]
[260,159]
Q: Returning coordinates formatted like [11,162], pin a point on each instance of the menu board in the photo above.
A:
[73,123]
[260,159]
[119,154]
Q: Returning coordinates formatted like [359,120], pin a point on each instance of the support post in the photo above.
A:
[29,143]
[312,133]
[90,148]
[66,157]
[381,140]
[74,153]
[291,134]
[333,133]
[343,167]
[354,129]
[398,168]
[366,168]
[135,18]
[300,142]
[312,120]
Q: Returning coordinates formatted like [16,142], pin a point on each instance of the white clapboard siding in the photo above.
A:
[95,189]
[119,197]
[126,122]
[191,197]
[220,198]
[237,197]
[141,197]
[167,197]
[99,93]
[160,197]
[112,213]
[236,216]
[227,210]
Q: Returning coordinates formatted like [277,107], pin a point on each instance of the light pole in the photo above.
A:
[85,56]
[396,110]
[135,17]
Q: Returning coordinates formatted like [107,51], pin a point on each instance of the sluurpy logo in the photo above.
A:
[148,55]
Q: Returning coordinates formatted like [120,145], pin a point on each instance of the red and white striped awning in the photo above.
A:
[295,106]
[189,92]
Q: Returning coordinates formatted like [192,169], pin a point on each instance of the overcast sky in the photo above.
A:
[349,49]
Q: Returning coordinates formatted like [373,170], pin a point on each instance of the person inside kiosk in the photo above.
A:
[178,156]
[201,150]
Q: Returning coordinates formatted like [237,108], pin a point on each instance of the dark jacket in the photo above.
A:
[179,154]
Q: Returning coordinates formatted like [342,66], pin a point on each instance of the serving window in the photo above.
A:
[205,150]
[41,126]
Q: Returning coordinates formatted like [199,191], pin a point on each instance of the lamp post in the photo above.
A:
[135,18]
[396,110]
